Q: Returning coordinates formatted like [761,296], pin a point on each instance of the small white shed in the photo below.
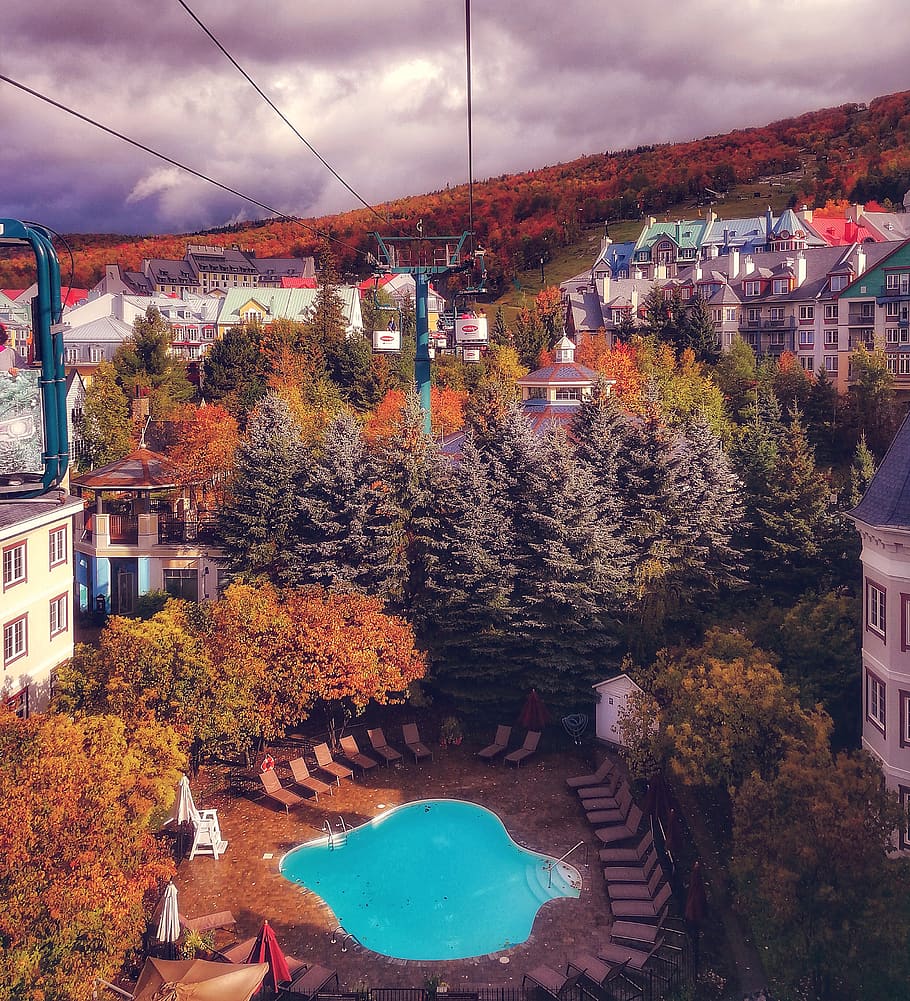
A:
[612,695]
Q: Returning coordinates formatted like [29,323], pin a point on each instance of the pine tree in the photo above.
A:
[233,371]
[735,373]
[821,418]
[106,426]
[327,325]
[144,363]
[333,538]
[254,526]
[697,331]
[500,334]
[794,517]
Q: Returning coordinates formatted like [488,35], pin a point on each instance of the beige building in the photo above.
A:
[36,611]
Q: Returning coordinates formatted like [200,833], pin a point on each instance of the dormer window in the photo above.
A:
[838,283]
[752,288]
[780,286]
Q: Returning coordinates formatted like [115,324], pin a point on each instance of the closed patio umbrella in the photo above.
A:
[187,816]
[197,980]
[267,950]
[168,930]
[696,907]
[534,714]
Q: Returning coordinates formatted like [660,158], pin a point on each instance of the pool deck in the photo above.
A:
[533,802]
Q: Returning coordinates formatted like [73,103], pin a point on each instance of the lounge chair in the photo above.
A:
[613,782]
[303,779]
[532,739]
[602,974]
[594,778]
[552,981]
[611,815]
[620,801]
[310,981]
[274,790]
[629,856]
[637,932]
[634,959]
[413,742]
[621,832]
[208,922]
[637,891]
[643,910]
[381,746]
[500,743]
[351,752]
[329,765]
[633,873]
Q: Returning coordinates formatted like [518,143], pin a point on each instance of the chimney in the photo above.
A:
[660,272]
[806,214]
[696,273]
[733,269]
[860,260]
[856,212]
[651,221]
[605,242]
[712,218]
[678,231]
[748,265]
[800,268]
[602,286]
[769,224]
[633,298]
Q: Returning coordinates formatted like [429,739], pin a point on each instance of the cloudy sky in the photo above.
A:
[379,90]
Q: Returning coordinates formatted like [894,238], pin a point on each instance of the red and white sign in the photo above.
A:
[471,330]
[386,340]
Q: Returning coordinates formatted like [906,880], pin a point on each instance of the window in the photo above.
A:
[891,335]
[94,354]
[892,310]
[807,362]
[58,615]
[831,311]
[867,310]
[536,393]
[71,356]
[730,314]
[15,565]
[904,793]
[754,315]
[875,700]
[716,315]
[903,364]
[875,608]
[251,316]
[830,363]
[892,281]
[776,338]
[838,284]
[568,393]
[57,546]
[780,286]
[807,312]
[905,718]
[891,363]
[777,314]
[806,338]
[15,639]
[752,288]
[831,336]
[182,584]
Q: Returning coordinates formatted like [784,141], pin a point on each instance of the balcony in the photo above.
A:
[147,531]
[197,527]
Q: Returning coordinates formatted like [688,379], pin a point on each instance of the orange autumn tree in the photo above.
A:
[446,413]
[619,362]
[79,867]
[206,445]
[307,645]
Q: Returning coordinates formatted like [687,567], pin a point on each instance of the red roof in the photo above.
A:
[140,470]
[12,293]
[298,283]
[843,232]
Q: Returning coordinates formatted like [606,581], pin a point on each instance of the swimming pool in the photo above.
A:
[432,880]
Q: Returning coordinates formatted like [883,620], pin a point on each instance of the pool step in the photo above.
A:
[538,877]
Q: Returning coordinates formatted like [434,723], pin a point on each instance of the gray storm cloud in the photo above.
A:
[379,90]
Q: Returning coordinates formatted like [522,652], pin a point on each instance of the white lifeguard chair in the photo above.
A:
[207,839]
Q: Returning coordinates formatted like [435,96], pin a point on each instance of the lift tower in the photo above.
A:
[426,257]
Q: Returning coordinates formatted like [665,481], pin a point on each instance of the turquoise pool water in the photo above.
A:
[432,880]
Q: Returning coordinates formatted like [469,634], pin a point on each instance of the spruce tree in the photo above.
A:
[254,525]
[333,540]
[698,332]
[233,371]
[795,517]
[144,364]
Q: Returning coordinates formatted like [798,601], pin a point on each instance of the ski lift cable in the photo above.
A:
[180,166]
[280,113]
[467,42]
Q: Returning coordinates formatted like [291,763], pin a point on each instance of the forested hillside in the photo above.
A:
[852,151]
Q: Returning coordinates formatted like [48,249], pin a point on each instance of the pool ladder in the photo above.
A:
[339,934]
[549,866]
[334,838]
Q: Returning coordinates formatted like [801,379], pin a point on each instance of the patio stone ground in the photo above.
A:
[533,802]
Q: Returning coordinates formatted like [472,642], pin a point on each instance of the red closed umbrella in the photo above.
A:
[696,898]
[267,950]
[534,715]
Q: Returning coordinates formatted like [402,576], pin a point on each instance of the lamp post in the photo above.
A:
[542,276]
